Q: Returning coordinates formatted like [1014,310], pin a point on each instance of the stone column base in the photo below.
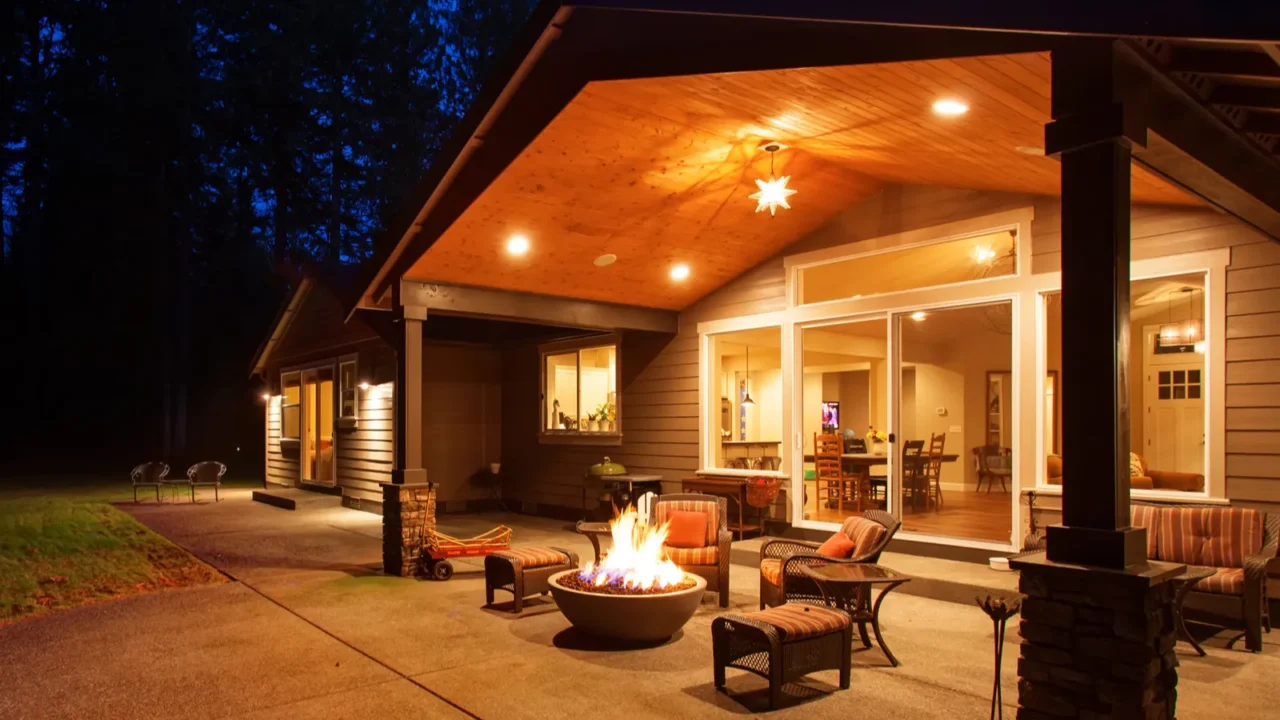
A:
[407,512]
[1096,643]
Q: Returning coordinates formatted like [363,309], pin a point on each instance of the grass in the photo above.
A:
[63,544]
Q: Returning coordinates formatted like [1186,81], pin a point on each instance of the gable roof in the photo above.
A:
[338,285]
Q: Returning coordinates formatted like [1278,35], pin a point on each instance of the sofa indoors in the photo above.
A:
[1141,476]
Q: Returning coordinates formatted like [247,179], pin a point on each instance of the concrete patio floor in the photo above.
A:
[312,629]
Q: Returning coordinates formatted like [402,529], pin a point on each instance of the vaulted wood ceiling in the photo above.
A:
[657,171]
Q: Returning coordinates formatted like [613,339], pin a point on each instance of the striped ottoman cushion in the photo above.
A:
[693,556]
[534,557]
[795,621]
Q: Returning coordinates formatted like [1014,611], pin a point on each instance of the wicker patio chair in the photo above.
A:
[783,644]
[782,559]
[148,474]
[711,563]
[206,474]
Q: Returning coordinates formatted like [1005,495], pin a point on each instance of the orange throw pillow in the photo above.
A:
[837,547]
[687,529]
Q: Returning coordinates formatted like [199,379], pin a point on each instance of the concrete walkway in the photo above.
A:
[313,630]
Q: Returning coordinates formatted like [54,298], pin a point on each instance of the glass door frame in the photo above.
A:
[309,413]
[796,466]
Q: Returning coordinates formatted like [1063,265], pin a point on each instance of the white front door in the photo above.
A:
[1173,410]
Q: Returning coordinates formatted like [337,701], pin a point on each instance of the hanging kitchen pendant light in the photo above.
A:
[774,192]
[746,382]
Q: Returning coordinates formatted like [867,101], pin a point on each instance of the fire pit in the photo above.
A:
[635,593]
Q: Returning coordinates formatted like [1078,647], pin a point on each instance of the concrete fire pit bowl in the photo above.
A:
[634,618]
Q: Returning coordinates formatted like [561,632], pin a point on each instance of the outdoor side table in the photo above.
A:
[593,531]
[847,586]
[1187,582]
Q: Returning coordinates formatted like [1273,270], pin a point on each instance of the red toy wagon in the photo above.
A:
[439,547]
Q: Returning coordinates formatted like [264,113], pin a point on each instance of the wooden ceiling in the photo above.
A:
[657,171]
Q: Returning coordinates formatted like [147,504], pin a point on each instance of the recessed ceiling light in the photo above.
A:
[919,315]
[1030,149]
[949,106]
[679,272]
[517,245]
[606,259]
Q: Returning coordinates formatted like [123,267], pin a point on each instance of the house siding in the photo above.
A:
[281,469]
[659,398]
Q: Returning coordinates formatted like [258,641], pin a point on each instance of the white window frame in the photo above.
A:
[579,436]
[354,362]
[285,405]
[1025,289]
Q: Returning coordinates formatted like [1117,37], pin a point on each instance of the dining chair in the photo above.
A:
[933,468]
[993,464]
[913,471]
[829,475]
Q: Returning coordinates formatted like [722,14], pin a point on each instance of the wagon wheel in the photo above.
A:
[443,570]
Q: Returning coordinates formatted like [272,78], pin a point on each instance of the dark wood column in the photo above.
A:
[409,466]
[1092,135]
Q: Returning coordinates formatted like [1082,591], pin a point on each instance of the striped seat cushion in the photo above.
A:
[1227,581]
[771,570]
[865,534]
[693,556]
[1147,516]
[795,621]
[710,507]
[534,557]
[1213,537]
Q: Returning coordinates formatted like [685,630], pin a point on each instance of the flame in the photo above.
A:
[636,559]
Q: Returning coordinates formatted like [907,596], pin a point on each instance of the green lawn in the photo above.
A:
[63,544]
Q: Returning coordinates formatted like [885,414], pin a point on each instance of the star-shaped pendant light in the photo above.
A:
[774,191]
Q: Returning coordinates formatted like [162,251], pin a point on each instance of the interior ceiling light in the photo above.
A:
[919,315]
[605,260]
[746,382]
[983,254]
[950,107]
[517,245]
[773,192]
[679,271]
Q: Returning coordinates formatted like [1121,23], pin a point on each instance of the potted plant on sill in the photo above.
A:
[593,425]
[605,413]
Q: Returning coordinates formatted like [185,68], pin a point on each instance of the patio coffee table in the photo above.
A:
[847,586]
[1186,583]
[593,531]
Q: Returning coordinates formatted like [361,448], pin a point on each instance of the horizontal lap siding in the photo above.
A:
[280,469]
[1253,373]
[365,453]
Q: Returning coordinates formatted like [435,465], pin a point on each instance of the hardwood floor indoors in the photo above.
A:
[964,514]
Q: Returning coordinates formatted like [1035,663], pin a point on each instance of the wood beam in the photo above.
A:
[1252,97]
[1246,64]
[1092,136]
[534,308]
[1194,146]
[1262,122]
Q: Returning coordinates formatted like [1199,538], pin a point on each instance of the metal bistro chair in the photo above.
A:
[148,474]
[206,474]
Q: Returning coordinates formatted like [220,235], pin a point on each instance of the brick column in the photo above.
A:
[407,511]
[1096,643]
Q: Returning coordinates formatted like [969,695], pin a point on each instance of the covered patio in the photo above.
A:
[979,282]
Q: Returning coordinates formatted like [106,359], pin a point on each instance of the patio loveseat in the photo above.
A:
[1239,544]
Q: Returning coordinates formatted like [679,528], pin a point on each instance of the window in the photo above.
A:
[580,389]
[1167,394]
[746,369]
[291,406]
[976,257]
[349,391]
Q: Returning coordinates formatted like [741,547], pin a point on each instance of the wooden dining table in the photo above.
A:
[863,462]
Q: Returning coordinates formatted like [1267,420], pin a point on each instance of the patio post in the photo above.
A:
[1097,623]
[408,502]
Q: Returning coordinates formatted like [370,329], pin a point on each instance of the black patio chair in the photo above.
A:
[148,474]
[206,474]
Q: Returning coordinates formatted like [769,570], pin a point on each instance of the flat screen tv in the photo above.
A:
[830,415]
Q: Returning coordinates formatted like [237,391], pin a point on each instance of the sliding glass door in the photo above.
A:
[317,426]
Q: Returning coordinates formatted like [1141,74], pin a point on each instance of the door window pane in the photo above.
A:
[845,413]
[291,406]
[562,392]
[955,388]
[746,369]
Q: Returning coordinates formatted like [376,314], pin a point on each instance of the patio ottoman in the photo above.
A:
[783,644]
[524,571]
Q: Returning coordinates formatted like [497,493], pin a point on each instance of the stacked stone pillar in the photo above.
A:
[408,511]
[1096,643]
